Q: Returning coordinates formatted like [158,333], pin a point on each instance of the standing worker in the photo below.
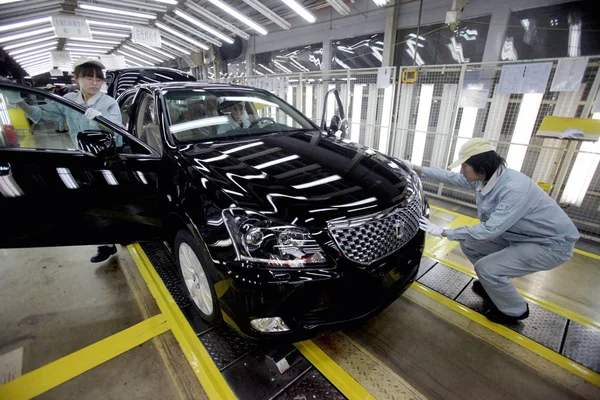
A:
[522,229]
[89,77]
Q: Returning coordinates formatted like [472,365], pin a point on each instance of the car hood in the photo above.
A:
[305,178]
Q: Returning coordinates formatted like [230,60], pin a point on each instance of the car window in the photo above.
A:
[199,114]
[147,127]
[126,105]
[28,122]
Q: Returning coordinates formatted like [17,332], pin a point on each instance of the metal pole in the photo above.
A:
[418,32]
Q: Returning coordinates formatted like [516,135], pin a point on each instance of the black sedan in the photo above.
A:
[283,227]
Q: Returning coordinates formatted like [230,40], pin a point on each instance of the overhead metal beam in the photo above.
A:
[215,19]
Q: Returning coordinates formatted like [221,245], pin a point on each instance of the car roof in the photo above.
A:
[129,69]
[194,85]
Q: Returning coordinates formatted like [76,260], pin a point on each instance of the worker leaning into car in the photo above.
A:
[89,77]
[522,229]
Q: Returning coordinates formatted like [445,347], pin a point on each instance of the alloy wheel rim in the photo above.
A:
[195,279]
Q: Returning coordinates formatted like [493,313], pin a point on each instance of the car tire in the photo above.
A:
[196,271]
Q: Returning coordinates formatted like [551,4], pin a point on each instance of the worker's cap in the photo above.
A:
[49,86]
[84,60]
[471,148]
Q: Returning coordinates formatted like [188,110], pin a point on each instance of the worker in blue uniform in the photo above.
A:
[522,229]
[89,76]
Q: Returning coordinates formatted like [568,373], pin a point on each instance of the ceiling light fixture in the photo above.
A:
[181,35]
[115,42]
[84,50]
[157,50]
[266,11]
[33,53]
[239,16]
[107,33]
[30,49]
[135,57]
[193,31]
[216,19]
[109,24]
[177,48]
[141,53]
[202,25]
[29,42]
[18,36]
[117,11]
[22,24]
[300,10]
[32,57]
[88,46]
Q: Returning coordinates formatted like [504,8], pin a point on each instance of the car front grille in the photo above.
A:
[370,238]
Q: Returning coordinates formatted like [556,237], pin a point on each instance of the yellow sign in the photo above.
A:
[409,76]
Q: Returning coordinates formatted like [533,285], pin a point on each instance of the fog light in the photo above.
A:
[275,324]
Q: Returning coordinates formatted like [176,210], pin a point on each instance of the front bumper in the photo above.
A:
[314,301]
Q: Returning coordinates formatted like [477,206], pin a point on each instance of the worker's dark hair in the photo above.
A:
[486,163]
[88,70]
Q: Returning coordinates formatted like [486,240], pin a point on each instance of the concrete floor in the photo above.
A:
[55,302]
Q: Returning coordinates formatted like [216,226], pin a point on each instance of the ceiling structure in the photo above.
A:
[27,34]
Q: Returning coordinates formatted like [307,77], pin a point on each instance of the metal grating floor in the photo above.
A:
[243,363]
[580,343]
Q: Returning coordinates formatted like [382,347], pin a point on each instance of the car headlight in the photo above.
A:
[260,239]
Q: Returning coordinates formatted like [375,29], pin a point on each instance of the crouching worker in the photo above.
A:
[522,229]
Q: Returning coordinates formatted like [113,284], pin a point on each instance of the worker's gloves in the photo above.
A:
[12,96]
[91,113]
[430,228]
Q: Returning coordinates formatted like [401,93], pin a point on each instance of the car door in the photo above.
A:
[53,193]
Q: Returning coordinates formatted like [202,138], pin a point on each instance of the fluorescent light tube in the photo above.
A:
[117,11]
[418,150]
[115,42]
[29,42]
[135,57]
[530,105]
[239,16]
[18,36]
[22,24]
[357,101]
[90,46]
[203,26]
[177,48]
[141,53]
[300,10]
[157,50]
[109,24]
[107,33]
[181,35]
[36,47]
[33,53]
[465,131]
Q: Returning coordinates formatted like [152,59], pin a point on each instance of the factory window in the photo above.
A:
[440,44]
[563,30]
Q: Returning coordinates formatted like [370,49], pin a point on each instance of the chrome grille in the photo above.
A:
[367,239]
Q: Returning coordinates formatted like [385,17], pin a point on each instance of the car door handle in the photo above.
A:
[5,168]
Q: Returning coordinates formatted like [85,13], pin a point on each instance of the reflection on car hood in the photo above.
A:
[304,178]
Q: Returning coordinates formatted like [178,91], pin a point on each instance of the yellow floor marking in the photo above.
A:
[208,374]
[51,375]
[527,343]
[332,371]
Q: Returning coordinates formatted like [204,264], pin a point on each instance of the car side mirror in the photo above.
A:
[339,123]
[97,143]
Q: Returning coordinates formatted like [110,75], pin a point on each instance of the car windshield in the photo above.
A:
[208,114]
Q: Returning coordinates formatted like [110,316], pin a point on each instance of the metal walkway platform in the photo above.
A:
[249,368]
[578,342]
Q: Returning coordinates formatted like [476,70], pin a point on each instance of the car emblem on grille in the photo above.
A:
[399,229]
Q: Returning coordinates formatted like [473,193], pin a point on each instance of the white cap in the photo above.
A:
[84,60]
[472,147]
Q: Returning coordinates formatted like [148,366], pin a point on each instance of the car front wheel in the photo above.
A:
[195,271]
